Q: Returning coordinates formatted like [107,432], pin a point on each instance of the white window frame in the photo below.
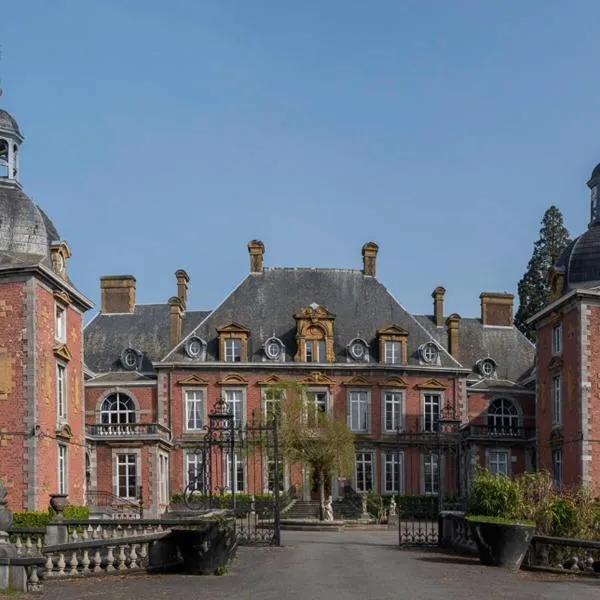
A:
[391,458]
[360,486]
[63,470]
[239,461]
[557,340]
[61,393]
[283,475]
[556,399]
[505,423]
[392,352]
[267,403]
[397,411]
[229,349]
[113,413]
[424,409]
[311,404]
[193,459]
[492,462]
[163,478]
[60,322]
[138,473]
[239,407]
[362,398]
[188,401]
[434,482]
[557,466]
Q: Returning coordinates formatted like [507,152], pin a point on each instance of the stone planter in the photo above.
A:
[59,502]
[501,544]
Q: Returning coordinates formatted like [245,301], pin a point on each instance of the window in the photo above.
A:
[163,470]
[431,412]
[271,474]
[316,402]
[117,409]
[429,352]
[274,349]
[60,323]
[393,476]
[431,474]
[127,484]
[315,351]
[61,392]
[235,403]
[392,353]
[557,466]
[487,367]
[129,358]
[195,347]
[358,350]
[359,411]
[239,472]
[498,462]
[503,417]
[62,469]
[392,410]
[556,401]
[194,470]
[272,400]
[557,339]
[233,350]
[194,410]
[364,472]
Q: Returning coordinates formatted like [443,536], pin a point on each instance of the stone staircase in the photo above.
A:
[343,510]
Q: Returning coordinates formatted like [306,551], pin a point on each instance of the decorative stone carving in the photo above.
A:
[328,509]
[392,512]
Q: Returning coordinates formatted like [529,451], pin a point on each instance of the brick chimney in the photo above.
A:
[182,286]
[497,308]
[256,249]
[453,323]
[438,305]
[117,293]
[369,254]
[176,320]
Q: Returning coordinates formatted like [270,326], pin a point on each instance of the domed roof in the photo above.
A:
[8,124]
[581,261]
[25,230]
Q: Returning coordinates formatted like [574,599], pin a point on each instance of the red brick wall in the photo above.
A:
[593,396]
[13,357]
[145,396]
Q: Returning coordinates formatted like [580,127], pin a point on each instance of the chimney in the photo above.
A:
[176,320]
[453,323]
[118,293]
[182,286]
[369,254]
[438,305]
[497,309]
[256,250]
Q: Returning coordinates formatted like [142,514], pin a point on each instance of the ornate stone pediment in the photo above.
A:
[357,381]
[392,330]
[62,297]
[62,351]
[431,384]
[317,378]
[271,380]
[193,380]
[64,432]
[233,327]
[556,363]
[394,382]
[233,379]
[314,324]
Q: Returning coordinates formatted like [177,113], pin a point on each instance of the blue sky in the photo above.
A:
[165,135]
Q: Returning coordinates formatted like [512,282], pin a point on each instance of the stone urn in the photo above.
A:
[59,502]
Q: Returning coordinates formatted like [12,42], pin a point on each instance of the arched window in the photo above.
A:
[503,417]
[3,158]
[117,408]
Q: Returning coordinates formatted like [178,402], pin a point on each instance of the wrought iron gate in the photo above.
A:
[432,475]
[239,468]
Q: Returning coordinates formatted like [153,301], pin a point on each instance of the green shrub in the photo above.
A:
[26,519]
[495,496]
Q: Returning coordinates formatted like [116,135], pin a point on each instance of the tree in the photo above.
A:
[533,288]
[311,436]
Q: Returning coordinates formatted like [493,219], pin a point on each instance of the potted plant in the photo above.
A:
[497,518]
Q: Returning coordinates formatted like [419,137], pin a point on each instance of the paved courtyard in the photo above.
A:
[350,565]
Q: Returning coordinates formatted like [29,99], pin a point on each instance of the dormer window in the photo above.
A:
[129,358]
[358,350]
[487,367]
[314,334]
[233,342]
[429,353]
[195,348]
[392,353]
[274,349]
[393,345]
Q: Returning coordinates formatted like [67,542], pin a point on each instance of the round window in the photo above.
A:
[487,368]
[429,353]
[273,349]
[358,350]
[194,347]
[130,358]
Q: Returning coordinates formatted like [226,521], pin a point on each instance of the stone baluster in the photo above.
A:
[74,535]
[85,536]
[122,558]
[85,562]
[133,557]
[97,561]
[110,559]
[39,544]
[61,564]
[28,546]
[144,553]
[104,532]
[73,563]
[49,567]
[33,581]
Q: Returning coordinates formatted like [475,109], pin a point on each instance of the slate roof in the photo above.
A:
[266,302]
[9,124]
[513,353]
[580,261]
[146,329]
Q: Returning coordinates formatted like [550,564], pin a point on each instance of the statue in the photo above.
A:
[364,505]
[392,507]
[328,510]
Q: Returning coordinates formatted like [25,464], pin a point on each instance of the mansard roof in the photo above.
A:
[266,303]
[512,352]
[147,329]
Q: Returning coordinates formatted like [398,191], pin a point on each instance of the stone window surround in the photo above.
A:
[64,391]
[237,388]
[354,390]
[510,399]
[65,466]
[557,339]
[439,470]
[430,392]
[371,452]
[402,393]
[510,458]
[138,469]
[117,390]
[60,321]
[556,400]
[402,474]
[194,388]
[233,331]
[188,452]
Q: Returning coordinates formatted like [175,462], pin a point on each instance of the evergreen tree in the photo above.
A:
[533,288]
